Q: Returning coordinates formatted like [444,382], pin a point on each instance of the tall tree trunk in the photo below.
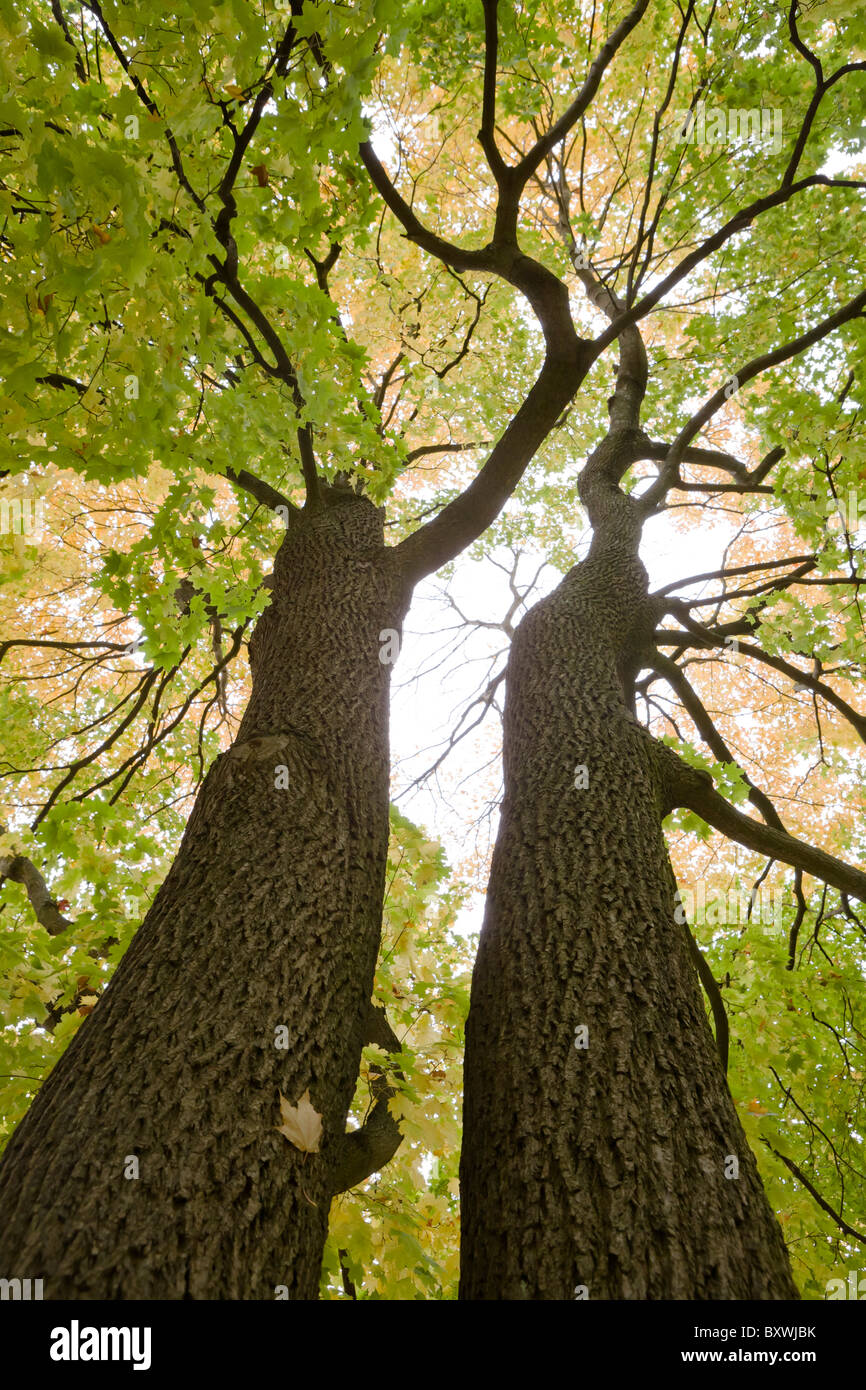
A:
[617,1169]
[269,916]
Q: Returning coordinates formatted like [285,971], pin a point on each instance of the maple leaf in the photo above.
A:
[302,1124]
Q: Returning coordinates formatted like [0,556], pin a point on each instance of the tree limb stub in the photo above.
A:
[362,1152]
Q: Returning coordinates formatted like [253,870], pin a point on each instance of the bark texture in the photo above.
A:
[605,1168]
[270,915]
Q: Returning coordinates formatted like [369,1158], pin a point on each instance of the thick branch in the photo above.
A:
[469,515]
[364,1151]
[258,488]
[456,256]
[749,479]
[22,871]
[632,370]
[56,10]
[822,86]
[702,721]
[669,473]
[689,787]
[569,118]
[486,136]
[738,223]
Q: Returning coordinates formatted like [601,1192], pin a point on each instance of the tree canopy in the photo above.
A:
[255,255]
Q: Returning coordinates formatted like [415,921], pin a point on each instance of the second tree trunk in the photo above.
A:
[602,1153]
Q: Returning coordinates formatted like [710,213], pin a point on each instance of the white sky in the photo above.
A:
[425,709]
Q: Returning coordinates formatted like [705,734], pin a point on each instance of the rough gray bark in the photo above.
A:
[601,1168]
[270,915]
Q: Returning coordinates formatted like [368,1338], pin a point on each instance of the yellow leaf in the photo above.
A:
[302,1125]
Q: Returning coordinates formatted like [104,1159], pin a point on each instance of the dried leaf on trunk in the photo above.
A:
[302,1124]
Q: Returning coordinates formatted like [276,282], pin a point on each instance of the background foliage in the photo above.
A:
[134,388]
